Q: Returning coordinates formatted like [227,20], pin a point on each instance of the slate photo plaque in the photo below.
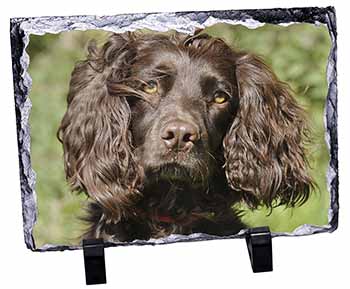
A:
[157,128]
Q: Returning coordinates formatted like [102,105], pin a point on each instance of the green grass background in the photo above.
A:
[297,53]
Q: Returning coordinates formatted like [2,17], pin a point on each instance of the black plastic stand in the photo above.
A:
[94,260]
[259,243]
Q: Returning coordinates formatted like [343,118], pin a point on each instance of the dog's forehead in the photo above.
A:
[184,63]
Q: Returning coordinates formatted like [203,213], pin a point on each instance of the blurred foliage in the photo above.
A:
[298,55]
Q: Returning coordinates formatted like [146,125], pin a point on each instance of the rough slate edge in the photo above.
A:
[21,28]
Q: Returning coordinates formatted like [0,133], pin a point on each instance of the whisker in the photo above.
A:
[211,155]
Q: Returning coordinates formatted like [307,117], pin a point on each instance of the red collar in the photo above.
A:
[171,220]
[165,219]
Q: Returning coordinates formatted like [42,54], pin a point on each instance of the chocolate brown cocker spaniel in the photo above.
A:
[166,132]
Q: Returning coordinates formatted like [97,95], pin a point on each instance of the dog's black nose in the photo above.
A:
[179,135]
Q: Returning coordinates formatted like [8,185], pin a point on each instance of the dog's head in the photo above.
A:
[147,108]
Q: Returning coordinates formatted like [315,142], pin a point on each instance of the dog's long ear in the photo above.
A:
[94,130]
[264,147]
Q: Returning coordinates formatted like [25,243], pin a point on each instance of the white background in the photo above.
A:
[319,261]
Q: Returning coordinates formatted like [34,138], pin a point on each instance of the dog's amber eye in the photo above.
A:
[150,87]
[220,98]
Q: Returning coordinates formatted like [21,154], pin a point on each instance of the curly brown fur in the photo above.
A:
[165,133]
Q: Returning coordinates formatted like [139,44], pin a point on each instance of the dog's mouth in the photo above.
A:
[177,157]
[179,174]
